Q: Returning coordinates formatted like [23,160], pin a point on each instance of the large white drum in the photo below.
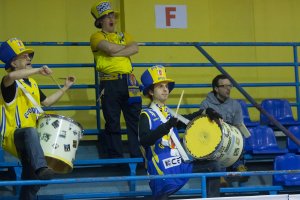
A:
[203,139]
[59,138]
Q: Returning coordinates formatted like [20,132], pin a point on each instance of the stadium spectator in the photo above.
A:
[20,102]
[119,89]
[231,111]
[160,149]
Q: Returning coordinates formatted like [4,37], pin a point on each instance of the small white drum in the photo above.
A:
[59,138]
[203,139]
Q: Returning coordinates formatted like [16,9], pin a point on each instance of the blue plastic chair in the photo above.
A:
[292,146]
[280,109]
[288,161]
[249,142]
[263,141]
[14,166]
[247,121]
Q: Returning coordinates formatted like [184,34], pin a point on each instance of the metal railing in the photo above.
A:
[132,192]
[96,107]
[294,63]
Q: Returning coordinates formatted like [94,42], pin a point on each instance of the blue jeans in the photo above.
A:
[32,158]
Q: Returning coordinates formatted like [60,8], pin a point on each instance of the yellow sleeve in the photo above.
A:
[128,38]
[95,39]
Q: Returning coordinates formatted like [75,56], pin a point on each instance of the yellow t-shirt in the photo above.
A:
[107,64]
[19,113]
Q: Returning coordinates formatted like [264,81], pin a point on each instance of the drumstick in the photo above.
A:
[179,103]
[175,139]
[55,81]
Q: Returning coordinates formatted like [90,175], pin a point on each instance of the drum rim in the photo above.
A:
[184,143]
[62,117]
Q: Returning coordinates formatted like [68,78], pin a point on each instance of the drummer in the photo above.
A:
[155,127]
[20,105]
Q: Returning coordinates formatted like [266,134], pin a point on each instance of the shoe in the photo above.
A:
[45,173]
[242,168]
[223,182]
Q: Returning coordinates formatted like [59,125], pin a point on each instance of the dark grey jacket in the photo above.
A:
[230,110]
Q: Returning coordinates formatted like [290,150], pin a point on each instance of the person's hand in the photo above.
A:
[70,80]
[45,70]
[214,115]
[172,122]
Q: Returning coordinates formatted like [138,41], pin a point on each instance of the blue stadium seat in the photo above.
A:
[288,161]
[263,141]
[249,142]
[11,166]
[246,116]
[292,146]
[280,109]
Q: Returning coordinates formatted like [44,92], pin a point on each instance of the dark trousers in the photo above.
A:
[212,183]
[32,158]
[113,101]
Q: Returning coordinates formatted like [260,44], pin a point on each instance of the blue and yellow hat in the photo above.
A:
[100,9]
[12,48]
[153,75]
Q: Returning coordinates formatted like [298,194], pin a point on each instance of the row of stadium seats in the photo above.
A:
[263,141]
[280,109]
[289,161]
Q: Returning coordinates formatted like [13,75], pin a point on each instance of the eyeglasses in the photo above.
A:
[226,86]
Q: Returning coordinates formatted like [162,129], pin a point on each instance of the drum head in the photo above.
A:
[60,117]
[202,137]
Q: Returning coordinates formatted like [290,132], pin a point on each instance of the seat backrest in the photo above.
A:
[250,142]
[264,138]
[292,146]
[246,116]
[279,108]
[288,161]
[245,111]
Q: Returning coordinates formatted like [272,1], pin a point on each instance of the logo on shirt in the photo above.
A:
[171,162]
[152,113]
[31,110]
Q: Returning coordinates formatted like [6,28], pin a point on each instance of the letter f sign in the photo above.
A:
[170,14]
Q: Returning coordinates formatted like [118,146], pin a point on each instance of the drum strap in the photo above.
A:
[178,145]
[33,101]
[244,130]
